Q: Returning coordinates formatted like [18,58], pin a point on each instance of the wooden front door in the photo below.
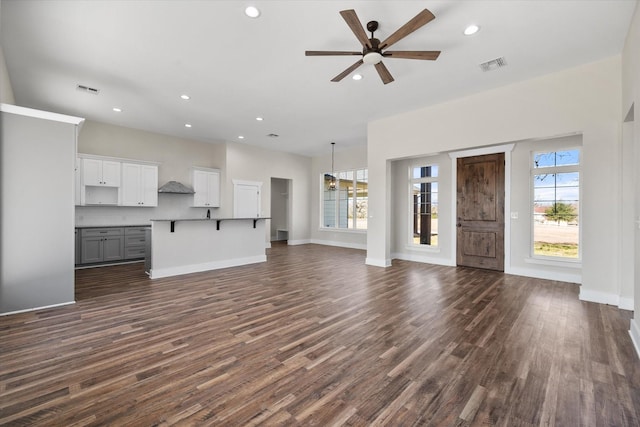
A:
[480,212]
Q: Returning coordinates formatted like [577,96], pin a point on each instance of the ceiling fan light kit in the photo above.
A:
[373,51]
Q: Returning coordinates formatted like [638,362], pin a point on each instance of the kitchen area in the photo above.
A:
[118,199]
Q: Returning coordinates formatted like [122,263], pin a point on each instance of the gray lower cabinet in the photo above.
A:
[134,247]
[101,244]
[109,244]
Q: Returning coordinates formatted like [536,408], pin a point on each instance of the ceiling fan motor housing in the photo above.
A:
[372,55]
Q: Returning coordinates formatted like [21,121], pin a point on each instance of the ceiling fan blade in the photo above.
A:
[346,72]
[329,53]
[384,74]
[354,23]
[416,22]
[413,54]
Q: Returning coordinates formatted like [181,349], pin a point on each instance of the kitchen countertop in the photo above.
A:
[209,219]
[113,226]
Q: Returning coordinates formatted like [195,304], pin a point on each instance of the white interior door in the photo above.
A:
[246,199]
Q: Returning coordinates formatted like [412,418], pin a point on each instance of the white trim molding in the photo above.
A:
[44,307]
[362,246]
[378,262]
[298,242]
[634,332]
[599,297]
[157,273]
[423,258]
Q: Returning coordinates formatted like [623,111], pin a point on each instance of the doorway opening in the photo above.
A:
[280,190]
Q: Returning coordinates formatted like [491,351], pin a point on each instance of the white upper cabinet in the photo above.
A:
[206,184]
[104,173]
[139,185]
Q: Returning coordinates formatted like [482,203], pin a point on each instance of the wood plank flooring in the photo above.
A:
[315,337]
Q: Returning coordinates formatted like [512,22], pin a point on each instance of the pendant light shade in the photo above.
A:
[332,183]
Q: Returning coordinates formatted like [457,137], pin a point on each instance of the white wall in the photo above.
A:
[401,211]
[344,159]
[36,209]
[255,164]
[583,100]
[6,92]
[631,98]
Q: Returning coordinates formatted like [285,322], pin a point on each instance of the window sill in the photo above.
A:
[343,230]
[554,262]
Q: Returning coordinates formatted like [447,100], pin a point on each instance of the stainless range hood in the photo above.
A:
[175,187]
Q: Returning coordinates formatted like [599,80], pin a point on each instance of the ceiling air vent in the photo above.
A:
[494,64]
[273,135]
[88,89]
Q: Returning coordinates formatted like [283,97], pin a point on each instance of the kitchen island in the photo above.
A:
[182,246]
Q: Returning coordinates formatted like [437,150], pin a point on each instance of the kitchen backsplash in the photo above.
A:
[169,206]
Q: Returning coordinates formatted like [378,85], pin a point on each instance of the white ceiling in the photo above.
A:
[143,55]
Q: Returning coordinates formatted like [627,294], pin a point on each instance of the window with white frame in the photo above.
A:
[345,198]
[556,204]
[423,198]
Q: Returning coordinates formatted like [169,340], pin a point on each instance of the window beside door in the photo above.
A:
[345,204]
[423,198]
[556,204]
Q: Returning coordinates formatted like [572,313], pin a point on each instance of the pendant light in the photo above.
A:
[332,183]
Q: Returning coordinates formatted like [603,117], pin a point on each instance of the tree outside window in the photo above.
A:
[556,204]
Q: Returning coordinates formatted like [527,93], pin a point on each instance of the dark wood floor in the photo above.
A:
[315,337]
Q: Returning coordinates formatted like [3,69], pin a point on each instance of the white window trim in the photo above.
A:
[321,226]
[411,181]
[545,259]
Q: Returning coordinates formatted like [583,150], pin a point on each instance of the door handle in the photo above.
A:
[459,225]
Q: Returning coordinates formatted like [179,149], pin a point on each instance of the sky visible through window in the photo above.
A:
[560,186]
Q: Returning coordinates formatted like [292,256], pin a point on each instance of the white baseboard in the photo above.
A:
[625,303]
[44,307]
[361,246]
[599,297]
[378,262]
[422,258]
[298,242]
[634,331]
[156,273]
[542,274]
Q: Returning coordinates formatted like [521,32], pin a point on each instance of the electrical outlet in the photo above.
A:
[514,215]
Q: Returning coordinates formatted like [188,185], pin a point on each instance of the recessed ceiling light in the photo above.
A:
[185,97]
[357,77]
[259,119]
[240,137]
[117,109]
[252,12]
[187,125]
[471,30]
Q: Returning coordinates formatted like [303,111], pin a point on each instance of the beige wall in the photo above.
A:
[583,100]
[248,163]
[176,155]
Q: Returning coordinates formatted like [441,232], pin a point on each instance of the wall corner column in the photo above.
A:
[379,221]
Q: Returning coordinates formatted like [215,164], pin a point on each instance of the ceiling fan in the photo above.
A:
[373,50]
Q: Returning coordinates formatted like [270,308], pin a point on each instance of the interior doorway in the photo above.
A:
[480,211]
[280,209]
